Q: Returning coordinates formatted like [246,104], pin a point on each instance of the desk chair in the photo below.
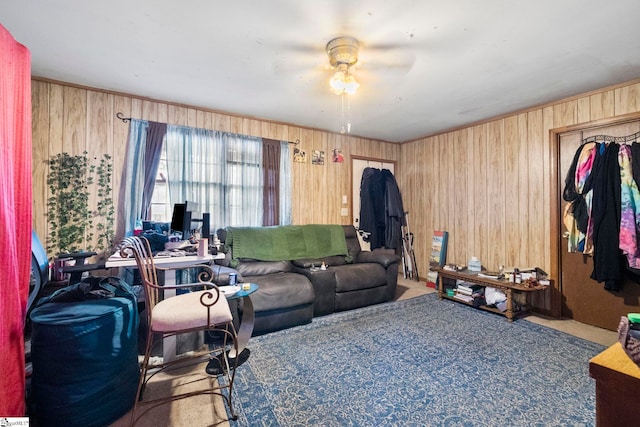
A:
[200,310]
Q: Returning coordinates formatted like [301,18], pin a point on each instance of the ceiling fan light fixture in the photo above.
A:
[344,82]
[343,54]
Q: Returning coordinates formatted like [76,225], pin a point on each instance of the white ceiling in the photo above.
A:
[426,65]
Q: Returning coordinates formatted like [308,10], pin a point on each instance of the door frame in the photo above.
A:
[555,194]
[375,161]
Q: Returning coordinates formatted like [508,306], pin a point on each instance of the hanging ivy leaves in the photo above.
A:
[71,180]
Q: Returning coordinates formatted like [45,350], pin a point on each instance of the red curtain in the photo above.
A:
[271,179]
[15,218]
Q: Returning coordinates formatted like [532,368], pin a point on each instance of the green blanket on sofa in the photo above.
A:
[286,242]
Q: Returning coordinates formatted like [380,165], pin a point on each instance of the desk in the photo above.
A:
[617,387]
[169,344]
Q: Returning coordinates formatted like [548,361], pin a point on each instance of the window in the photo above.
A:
[221,172]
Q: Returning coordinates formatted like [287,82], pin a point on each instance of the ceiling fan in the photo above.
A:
[343,54]
[371,63]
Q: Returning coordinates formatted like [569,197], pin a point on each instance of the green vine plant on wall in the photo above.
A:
[72,179]
[105,209]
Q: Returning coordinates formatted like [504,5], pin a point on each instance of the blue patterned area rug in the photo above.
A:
[417,362]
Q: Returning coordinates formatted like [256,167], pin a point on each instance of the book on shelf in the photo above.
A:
[432,279]
[439,242]
[463,297]
[468,289]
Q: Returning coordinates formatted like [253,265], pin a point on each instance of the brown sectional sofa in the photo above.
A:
[293,290]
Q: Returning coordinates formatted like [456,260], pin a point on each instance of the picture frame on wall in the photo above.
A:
[317,157]
[337,156]
[299,156]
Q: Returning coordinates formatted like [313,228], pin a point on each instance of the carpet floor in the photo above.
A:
[417,362]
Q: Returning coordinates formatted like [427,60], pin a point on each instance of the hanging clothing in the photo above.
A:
[394,211]
[605,210]
[578,193]
[381,208]
[372,211]
[602,187]
[630,209]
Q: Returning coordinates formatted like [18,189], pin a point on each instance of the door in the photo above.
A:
[584,299]
[358,165]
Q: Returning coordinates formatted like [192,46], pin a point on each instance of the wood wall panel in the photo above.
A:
[535,181]
[584,109]
[99,131]
[478,206]
[524,190]
[512,191]
[74,118]
[549,169]
[40,138]
[565,113]
[602,105]
[458,143]
[56,104]
[627,99]
[496,184]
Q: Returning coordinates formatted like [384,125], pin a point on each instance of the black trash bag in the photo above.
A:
[91,288]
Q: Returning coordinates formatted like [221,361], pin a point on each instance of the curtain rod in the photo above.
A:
[121,117]
[128,119]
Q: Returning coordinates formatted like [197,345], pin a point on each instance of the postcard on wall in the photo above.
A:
[337,156]
[299,155]
[438,256]
[317,157]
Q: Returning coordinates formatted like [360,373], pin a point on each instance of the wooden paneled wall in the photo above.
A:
[75,119]
[489,184]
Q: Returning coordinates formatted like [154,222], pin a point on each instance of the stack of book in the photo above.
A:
[468,291]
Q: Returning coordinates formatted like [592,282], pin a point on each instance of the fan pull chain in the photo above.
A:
[346,113]
[342,130]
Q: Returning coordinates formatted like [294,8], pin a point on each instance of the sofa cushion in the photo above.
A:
[281,290]
[353,243]
[260,268]
[221,275]
[317,262]
[359,276]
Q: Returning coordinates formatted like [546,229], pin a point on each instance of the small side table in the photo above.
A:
[248,318]
[216,364]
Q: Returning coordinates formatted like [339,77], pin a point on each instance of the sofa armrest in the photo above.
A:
[221,275]
[384,257]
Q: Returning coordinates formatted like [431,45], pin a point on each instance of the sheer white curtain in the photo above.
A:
[219,171]
[285,184]
[133,182]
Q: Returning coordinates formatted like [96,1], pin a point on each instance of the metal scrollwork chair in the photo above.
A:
[204,310]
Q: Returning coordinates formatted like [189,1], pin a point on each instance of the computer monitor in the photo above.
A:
[181,220]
